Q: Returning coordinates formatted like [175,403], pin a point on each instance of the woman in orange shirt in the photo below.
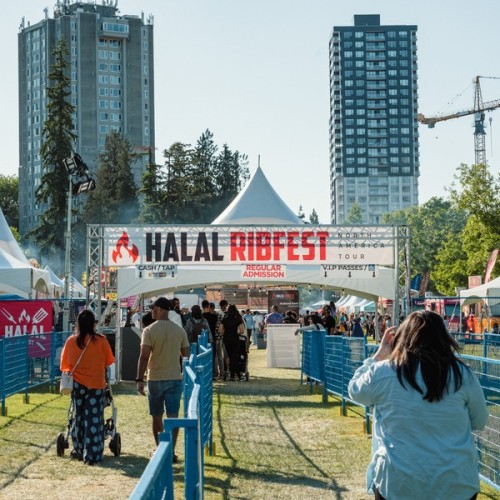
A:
[89,386]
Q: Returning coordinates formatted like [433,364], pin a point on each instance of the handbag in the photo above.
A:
[66,383]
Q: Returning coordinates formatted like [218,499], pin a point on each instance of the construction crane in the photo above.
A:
[478,111]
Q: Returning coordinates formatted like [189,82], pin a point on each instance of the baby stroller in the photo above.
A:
[242,368]
[115,443]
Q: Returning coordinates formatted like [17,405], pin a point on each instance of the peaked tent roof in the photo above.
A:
[257,203]
[8,242]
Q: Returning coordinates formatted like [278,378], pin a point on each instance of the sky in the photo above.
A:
[256,74]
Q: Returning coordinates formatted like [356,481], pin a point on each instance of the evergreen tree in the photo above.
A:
[178,193]
[9,200]
[202,180]
[57,145]
[313,217]
[230,174]
[301,215]
[153,209]
[114,201]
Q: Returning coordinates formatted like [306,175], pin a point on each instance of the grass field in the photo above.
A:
[273,440]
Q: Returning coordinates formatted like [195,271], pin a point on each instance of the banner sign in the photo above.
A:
[25,318]
[232,245]
[286,300]
[263,271]
[349,271]
[155,271]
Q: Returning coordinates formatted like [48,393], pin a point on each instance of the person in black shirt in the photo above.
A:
[328,321]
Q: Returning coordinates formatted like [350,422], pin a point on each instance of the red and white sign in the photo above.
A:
[263,271]
[32,317]
[230,245]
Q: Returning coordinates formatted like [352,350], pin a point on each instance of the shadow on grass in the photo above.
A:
[276,476]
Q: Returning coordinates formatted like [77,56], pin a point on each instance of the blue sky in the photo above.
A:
[256,74]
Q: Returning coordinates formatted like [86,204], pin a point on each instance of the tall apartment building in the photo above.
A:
[374,152]
[111,57]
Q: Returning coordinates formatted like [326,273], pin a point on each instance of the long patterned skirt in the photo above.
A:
[88,429]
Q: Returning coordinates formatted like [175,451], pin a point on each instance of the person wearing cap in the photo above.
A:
[161,344]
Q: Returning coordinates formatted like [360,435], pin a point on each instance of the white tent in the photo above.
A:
[57,285]
[257,203]
[7,241]
[489,292]
[17,275]
[76,289]
[21,278]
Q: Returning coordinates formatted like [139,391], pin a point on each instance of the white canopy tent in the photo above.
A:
[57,285]
[17,275]
[489,292]
[21,278]
[76,289]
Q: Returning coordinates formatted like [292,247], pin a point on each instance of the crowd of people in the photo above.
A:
[425,400]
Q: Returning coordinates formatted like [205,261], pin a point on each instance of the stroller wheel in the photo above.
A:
[115,445]
[61,444]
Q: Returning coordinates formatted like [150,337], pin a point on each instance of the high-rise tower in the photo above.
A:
[374,152]
[111,58]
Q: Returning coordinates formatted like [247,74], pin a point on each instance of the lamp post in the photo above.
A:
[77,170]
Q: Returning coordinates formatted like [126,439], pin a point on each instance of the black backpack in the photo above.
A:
[196,329]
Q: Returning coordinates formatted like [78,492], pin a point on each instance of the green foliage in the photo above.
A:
[153,206]
[451,268]
[57,145]
[301,215]
[195,185]
[355,215]
[479,194]
[430,224]
[114,201]
[313,217]
[9,201]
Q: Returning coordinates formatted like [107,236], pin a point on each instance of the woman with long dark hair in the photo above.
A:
[230,328]
[90,353]
[426,404]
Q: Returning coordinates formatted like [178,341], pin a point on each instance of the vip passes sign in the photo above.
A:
[32,317]
[230,245]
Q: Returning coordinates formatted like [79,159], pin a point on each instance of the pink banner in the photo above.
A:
[490,265]
[33,317]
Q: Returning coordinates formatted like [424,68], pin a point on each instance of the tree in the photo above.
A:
[479,194]
[9,201]
[57,145]
[230,175]
[114,201]
[355,215]
[430,225]
[313,217]
[202,180]
[301,215]
[153,208]
[178,184]
[451,268]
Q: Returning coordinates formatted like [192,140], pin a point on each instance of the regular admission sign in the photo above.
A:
[241,245]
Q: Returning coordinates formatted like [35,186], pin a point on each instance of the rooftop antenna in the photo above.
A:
[258,162]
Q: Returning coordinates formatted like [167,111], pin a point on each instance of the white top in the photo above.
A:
[175,317]
[420,450]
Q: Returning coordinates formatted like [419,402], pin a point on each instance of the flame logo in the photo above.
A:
[24,316]
[123,244]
